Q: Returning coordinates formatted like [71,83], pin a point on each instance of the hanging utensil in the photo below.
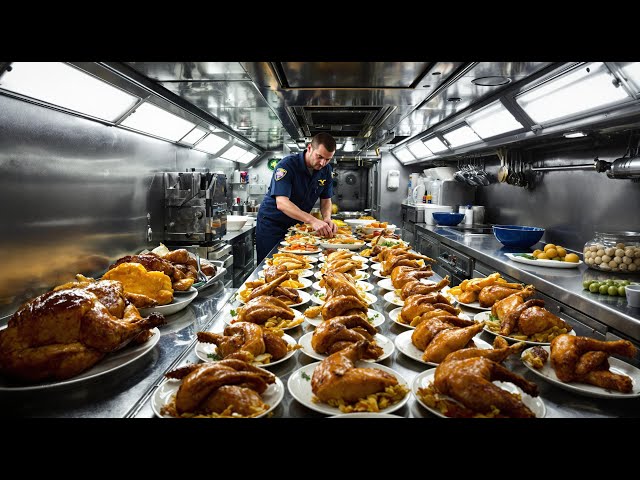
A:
[503,171]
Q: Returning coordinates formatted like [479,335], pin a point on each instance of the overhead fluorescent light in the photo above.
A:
[419,149]
[234,153]
[574,134]
[584,89]
[435,145]
[194,135]
[65,86]
[461,136]
[631,71]
[212,144]
[403,154]
[153,120]
[348,146]
[493,120]
[247,157]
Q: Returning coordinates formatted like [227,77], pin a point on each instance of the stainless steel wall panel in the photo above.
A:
[75,196]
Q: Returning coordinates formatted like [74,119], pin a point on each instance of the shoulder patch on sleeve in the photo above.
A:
[280,173]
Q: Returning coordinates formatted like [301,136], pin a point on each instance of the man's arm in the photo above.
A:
[291,210]
[325,209]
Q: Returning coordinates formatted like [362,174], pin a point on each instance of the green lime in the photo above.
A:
[621,291]
[586,284]
[625,282]
[613,291]
[593,288]
[604,289]
[610,282]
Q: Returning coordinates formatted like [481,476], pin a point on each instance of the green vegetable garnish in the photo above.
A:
[305,376]
[526,255]
[214,356]
[233,313]
[493,318]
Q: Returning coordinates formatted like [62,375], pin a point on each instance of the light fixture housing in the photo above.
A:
[212,144]
[577,134]
[493,120]
[147,118]
[403,154]
[460,136]
[435,145]
[419,149]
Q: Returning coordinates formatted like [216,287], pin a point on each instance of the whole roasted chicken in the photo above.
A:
[246,341]
[467,375]
[340,332]
[583,359]
[416,287]
[337,378]
[403,274]
[226,387]
[62,333]
[260,309]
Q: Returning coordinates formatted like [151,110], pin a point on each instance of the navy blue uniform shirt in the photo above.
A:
[292,179]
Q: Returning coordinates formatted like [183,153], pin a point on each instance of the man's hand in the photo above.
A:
[334,227]
[321,228]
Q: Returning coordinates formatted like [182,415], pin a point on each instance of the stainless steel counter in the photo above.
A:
[564,285]
[115,393]
[559,403]
[231,236]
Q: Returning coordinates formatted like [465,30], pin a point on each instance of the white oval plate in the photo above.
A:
[543,263]
[424,379]
[228,319]
[318,297]
[376,266]
[377,273]
[393,297]
[185,292]
[405,345]
[300,388]
[394,315]
[286,242]
[365,286]
[616,366]
[363,267]
[303,274]
[177,304]
[299,252]
[349,246]
[306,283]
[375,318]
[356,222]
[366,415]
[203,350]
[272,396]
[109,363]
[305,296]
[311,258]
[360,275]
[484,316]
[370,230]
[381,340]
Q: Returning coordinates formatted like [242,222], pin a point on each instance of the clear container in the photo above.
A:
[614,252]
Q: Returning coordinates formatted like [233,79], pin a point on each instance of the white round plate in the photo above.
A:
[543,263]
[299,386]
[177,304]
[376,273]
[365,286]
[306,283]
[386,284]
[475,305]
[303,274]
[272,396]
[303,295]
[363,267]
[393,297]
[381,340]
[321,257]
[203,350]
[424,379]
[360,275]
[350,246]
[318,297]
[484,316]
[299,252]
[375,318]
[616,366]
[376,266]
[366,415]
[109,363]
[308,258]
[370,230]
[394,315]
[228,319]
[355,222]
[286,242]
[405,345]
[185,292]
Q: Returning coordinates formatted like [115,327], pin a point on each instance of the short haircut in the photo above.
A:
[325,139]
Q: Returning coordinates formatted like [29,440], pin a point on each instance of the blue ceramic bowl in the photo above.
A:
[518,236]
[446,218]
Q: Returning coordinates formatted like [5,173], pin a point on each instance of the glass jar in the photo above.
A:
[614,252]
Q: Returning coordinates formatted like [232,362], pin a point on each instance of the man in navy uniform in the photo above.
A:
[297,182]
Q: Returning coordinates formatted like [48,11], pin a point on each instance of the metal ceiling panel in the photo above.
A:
[185,71]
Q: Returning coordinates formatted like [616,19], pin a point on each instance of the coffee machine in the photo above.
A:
[195,207]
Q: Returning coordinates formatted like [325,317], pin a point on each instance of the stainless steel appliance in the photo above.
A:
[195,207]
[351,186]
[451,262]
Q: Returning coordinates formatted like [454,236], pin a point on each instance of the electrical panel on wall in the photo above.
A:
[257,189]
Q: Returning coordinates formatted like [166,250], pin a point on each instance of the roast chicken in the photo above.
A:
[491,294]
[340,332]
[404,258]
[62,333]
[583,359]
[416,305]
[337,284]
[260,309]
[429,329]
[416,287]
[403,274]
[287,295]
[343,305]
[337,378]
[246,341]
[467,375]
[228,387]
